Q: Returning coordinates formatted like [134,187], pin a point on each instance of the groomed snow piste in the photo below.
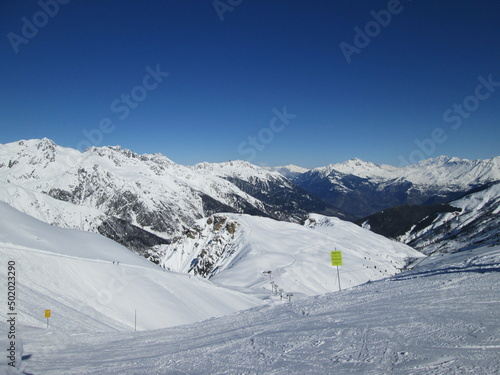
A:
[440,318]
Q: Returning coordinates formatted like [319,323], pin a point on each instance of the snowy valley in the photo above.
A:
[248,253]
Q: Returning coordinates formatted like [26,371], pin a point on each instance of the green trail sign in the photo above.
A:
[336,258]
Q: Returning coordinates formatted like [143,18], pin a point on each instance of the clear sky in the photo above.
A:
[273,82]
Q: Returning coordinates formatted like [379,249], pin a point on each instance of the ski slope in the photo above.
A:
[440,318]
[92,283]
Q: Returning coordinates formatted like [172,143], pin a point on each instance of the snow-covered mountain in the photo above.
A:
[283,198]
[247,253]
[363,188]
[145,201]
[141,200]
[465,223]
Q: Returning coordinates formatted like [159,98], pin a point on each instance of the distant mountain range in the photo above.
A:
[145,201]
[361,188]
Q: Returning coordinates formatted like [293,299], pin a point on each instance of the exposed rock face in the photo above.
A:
[213,243]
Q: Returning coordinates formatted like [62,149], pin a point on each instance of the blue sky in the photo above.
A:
[221,71]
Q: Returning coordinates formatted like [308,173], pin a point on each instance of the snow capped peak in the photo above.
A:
[438,161]
[294,168]
[43,144]
[355,162]
[39,143]
[237,169]
[357,167]
[453,171]
[363,188]
[157,158]
[289,171]
[26,159]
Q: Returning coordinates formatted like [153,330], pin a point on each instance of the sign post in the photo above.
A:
[47,315]
[336,257]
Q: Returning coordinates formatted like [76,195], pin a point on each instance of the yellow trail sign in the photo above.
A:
[47,313]
[336,258]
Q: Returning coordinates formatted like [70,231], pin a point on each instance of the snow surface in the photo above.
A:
[440,318]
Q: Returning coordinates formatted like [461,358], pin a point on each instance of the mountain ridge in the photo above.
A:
[149,191]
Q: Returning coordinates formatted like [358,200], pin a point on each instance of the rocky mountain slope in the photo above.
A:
[145,201]
[142,200]
[279,194]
